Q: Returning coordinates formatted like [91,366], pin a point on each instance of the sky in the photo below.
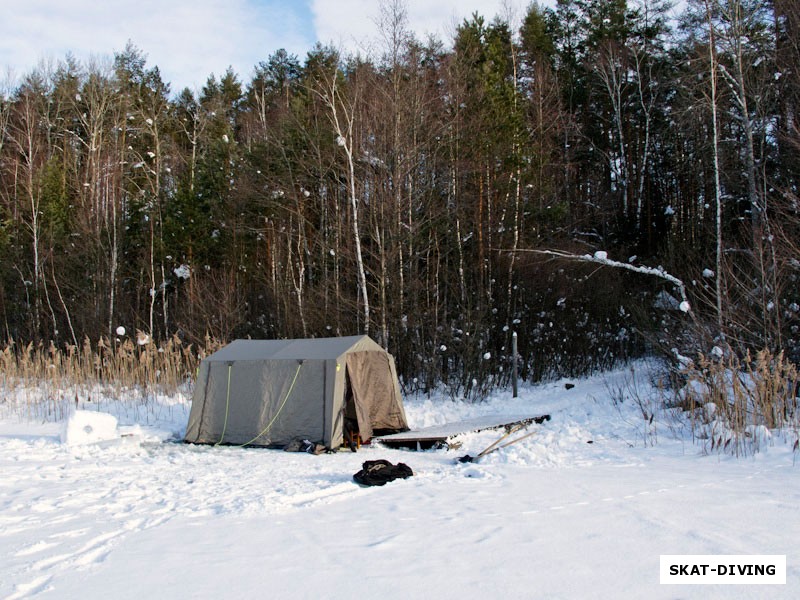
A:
[188,40]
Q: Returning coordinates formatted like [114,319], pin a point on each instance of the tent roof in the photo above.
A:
[318,349]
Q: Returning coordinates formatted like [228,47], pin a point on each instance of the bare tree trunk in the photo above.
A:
[517,176]
[297,270]
[717,188]
[647,110]
[737,16]
[514,244]
[342,117]
[24,138]
[610,71]
[64,306]
[113,262]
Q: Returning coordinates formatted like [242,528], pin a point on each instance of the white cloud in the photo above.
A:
[187,40]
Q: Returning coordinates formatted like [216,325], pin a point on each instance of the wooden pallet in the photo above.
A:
[440,435]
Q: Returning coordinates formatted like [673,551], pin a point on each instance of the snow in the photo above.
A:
[183,271]
[86,427]
[583,508]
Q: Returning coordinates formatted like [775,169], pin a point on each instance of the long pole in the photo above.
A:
[514,362]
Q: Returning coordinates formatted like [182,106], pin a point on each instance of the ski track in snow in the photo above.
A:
[66,509]
[95,492]
[124,490]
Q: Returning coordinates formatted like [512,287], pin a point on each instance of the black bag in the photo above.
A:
[379,472]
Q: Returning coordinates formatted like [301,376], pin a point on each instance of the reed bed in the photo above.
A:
[737,403]
[45,381]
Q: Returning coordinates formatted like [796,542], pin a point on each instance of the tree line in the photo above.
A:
[400,194]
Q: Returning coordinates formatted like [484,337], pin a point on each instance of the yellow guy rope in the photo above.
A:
[227,405]
[271,423]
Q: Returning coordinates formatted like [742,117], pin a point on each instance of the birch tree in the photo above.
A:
[25,138]
[342,113]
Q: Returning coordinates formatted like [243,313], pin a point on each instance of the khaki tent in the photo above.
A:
[272,392]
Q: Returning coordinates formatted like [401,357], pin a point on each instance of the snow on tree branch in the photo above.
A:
[601,258]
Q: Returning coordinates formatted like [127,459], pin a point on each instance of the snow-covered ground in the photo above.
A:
[581,509]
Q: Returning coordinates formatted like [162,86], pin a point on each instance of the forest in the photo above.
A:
[551,176]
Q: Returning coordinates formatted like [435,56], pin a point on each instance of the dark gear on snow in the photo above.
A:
[379,472]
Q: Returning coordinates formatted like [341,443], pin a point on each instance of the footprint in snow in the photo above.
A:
[37,586]
[34,548]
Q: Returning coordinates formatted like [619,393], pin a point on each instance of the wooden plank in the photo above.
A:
[428,437]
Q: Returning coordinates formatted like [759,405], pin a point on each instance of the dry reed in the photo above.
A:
[736,403]
[47,380]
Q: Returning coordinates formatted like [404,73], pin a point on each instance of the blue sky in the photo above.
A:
[188,40]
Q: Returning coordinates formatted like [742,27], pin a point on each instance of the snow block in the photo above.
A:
[88,427]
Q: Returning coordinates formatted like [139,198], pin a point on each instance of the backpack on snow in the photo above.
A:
[379,472]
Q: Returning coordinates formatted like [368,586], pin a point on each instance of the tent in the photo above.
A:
[273,392]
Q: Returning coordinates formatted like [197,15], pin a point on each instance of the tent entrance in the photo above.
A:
[352,433]
[375,402]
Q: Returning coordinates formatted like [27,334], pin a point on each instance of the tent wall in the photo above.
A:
[279,399]
[398,396]
[283,411]
[194,429]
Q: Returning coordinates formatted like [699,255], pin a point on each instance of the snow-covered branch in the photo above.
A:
[601,258]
